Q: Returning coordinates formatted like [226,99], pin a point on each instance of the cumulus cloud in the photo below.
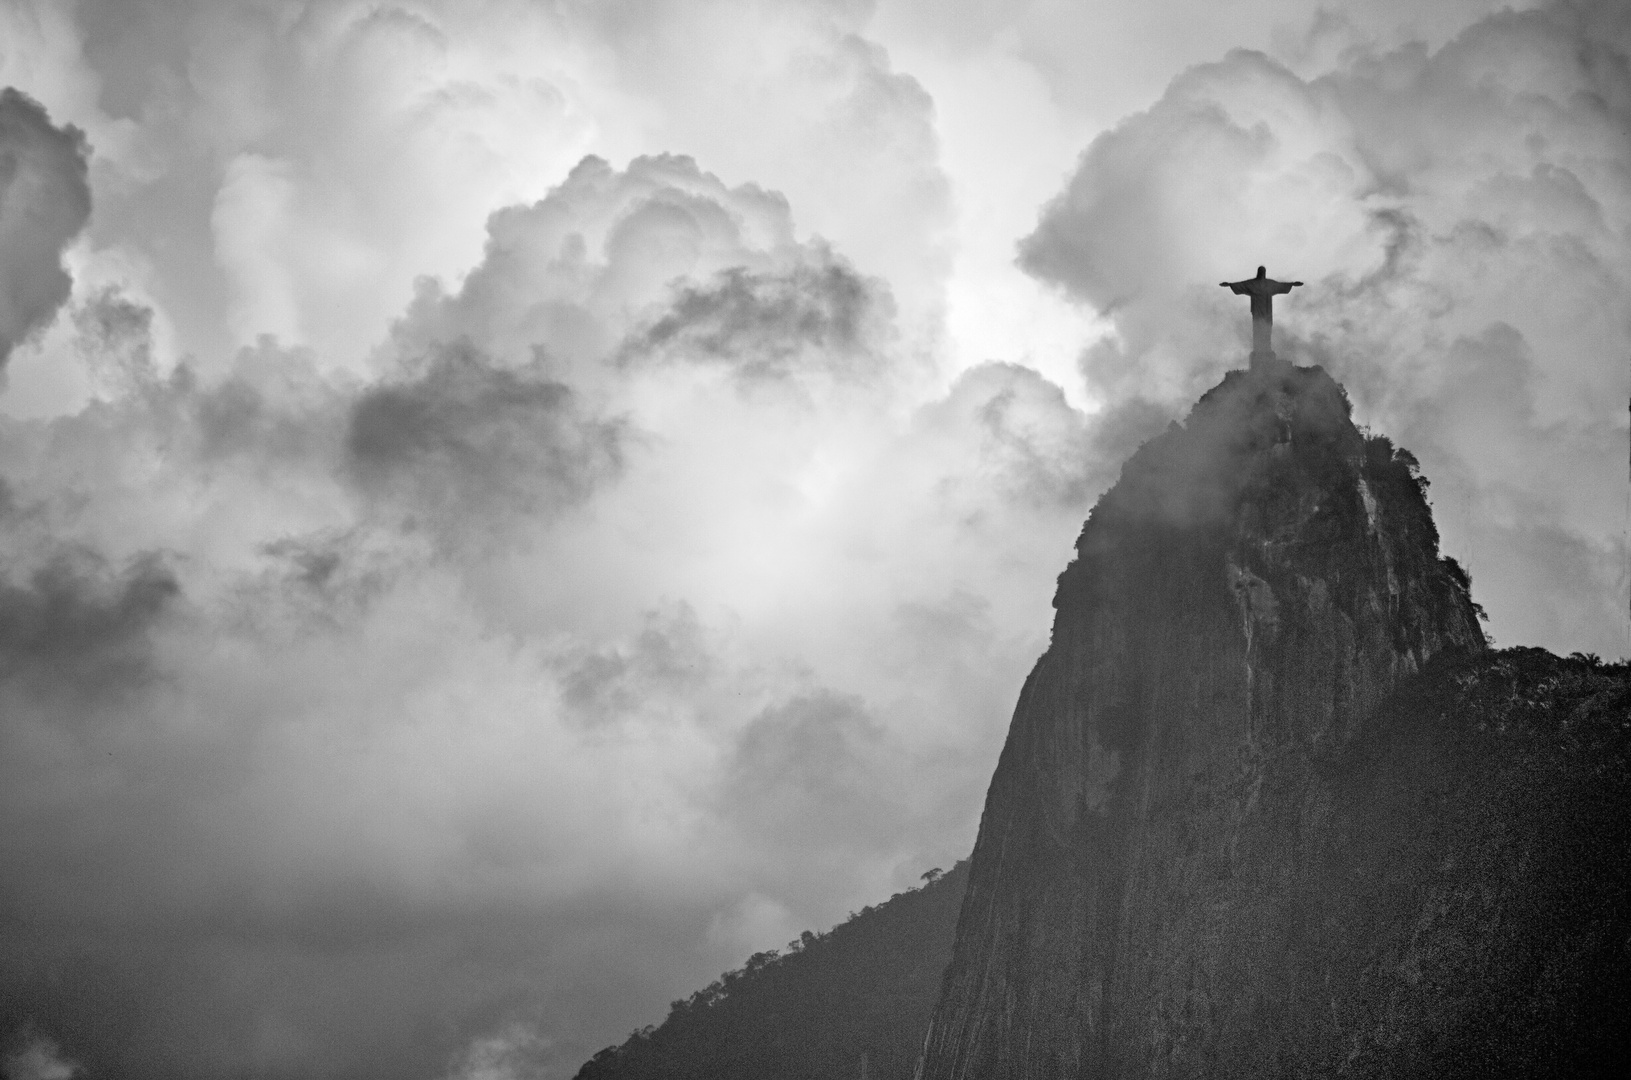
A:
[513,1053]
[73,627]
[44,203]
[671,652]
[1461,217]
[808,770]
[351,146]
[114,338]
[661,257]
[467,440]
[602,573]
[1031,443]
[268,169]
[38,1058]
[774,324]
[459,527]
[578,637]
[799,98]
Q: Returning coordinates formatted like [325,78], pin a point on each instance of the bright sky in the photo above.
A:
[509,507]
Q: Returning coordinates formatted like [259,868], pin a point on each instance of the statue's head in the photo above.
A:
[1260,272]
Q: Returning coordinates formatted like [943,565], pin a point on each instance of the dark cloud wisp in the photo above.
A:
[45,200]
[467,436]
[770,325]
[76,627]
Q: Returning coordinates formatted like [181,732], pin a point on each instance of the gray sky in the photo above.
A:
[510,507]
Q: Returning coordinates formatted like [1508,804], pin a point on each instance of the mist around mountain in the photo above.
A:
[1270,806]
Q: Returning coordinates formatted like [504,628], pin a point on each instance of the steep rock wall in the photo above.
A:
[1257,581]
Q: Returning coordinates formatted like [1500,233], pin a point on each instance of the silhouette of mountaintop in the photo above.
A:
[1268,806]
[1162,881]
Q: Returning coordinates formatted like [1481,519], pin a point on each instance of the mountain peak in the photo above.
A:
[1193,474]
[1268,807]
[1321,534]
[1259,578]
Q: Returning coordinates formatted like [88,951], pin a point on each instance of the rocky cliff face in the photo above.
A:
[1139,899]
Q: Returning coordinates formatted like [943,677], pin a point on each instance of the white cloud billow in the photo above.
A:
[497,531]
[1464,225]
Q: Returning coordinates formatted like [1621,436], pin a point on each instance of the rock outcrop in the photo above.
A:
[1259,580]
[1268,808]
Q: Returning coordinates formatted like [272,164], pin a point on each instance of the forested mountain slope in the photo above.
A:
[859,993]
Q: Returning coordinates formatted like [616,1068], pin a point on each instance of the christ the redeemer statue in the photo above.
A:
[1262,290]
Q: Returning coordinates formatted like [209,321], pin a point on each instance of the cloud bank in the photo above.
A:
[371,720]
[496,530]
[44,202]
[1463,219]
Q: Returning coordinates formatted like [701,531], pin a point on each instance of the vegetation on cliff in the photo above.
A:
[852,1002]
[1471,902]
[1269,806]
